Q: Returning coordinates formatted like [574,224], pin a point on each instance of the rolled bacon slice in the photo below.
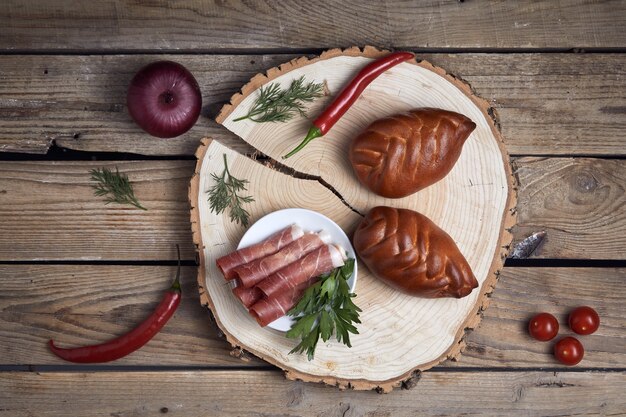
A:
[264,248]
[320,261]
[248,275]
[266,310]
[248,296]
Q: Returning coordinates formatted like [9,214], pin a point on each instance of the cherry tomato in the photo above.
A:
[544,326]
[569,351]
[584,320]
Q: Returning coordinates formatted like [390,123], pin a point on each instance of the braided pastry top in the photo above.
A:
[408,251]
[399,155]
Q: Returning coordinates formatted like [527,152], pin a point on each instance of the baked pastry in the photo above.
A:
[399,155]
[409,252]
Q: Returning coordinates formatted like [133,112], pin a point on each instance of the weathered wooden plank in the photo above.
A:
[193,24]
[49,212]
[79,102]
[551,104]
[78,304]
[548,104]
[502,340]
[266,393]
[581,203]
[85,304]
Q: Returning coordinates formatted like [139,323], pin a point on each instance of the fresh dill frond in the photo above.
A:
[115,186]
[277,105]
[224,194]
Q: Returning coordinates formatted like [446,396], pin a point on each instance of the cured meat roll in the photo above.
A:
[266,310]
[248,296]
[316,263]
[264,248]
[409,252]
[247,275]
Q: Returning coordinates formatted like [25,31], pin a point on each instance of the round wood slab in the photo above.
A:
[474,203]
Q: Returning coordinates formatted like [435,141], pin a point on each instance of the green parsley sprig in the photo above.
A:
[277,105]
[325,308]
[115,186]
[224,195]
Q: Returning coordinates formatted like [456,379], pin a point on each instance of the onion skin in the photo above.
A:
[164,99]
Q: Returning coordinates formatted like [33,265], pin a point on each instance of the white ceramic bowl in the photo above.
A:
[309,221]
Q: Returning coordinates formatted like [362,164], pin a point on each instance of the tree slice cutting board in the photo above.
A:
[474,203]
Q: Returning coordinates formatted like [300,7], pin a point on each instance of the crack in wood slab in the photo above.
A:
[284,169]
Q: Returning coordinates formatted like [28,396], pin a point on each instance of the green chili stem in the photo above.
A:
[176,284]
[314,132]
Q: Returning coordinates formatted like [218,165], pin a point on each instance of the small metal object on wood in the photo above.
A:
[526,247]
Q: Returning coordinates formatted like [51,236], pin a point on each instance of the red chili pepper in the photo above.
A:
[348,96]
[131,341]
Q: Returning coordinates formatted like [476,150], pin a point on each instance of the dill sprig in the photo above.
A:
[115,186]
[324,309]
[223,195]
[277,105]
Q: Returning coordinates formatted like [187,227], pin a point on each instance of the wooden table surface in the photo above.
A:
[78,271]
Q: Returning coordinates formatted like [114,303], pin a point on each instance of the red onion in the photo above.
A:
[164,99]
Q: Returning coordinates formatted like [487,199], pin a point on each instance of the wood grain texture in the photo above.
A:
[266,393]
[387,349]
[193,24]
[80,103]
[78,304]
[502,339]
[548,104]
[582,200]
[48,210]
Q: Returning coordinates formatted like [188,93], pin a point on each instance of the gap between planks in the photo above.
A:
[265,368]
[256,52]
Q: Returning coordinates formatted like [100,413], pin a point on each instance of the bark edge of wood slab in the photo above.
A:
[499,213]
